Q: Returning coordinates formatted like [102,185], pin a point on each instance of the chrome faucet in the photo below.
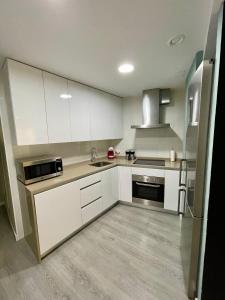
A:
[93,154]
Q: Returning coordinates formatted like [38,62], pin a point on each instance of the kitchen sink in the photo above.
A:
[100,164]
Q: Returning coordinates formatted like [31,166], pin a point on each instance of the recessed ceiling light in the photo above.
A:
[126,68]
[65,96]
[176,40]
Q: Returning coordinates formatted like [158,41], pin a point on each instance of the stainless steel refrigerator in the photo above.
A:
[192,173]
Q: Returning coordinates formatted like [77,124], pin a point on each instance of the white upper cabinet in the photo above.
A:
[28,103]
[106,116]
[57,108]
[79,111]
[116,117]
[41,116]
[100,113]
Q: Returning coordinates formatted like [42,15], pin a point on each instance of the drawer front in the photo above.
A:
[148,172]
[84,182]
[91,193]
[92,210]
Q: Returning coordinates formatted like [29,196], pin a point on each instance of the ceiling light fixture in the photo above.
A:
[126,68]
[176,40]
[65,96]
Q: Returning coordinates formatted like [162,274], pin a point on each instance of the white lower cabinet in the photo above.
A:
[91,193]
[125,183]
[171,189]
[58,213]
[110,188]
[64,209]
[92,210]
[98,192]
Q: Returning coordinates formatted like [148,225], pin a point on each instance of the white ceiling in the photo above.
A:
[86,40]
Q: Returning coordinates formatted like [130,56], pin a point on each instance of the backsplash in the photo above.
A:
[70,152]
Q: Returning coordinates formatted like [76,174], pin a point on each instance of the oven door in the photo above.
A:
[148,193]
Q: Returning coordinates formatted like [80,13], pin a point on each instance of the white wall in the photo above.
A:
[154,142]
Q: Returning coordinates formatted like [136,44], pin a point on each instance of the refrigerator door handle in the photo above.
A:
[179,212]
[180,172]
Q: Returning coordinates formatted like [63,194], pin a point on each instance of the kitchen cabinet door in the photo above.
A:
[92,210]
[107,199]
[58,114]
[171,189]
[100,116]
[125,184]
[25,87]
[115,184]
[58,214]
[116,117]
[79,111]
[106,116]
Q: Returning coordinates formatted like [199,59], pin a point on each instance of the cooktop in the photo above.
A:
[152,162]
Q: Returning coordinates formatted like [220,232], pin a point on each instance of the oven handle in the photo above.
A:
[148,184]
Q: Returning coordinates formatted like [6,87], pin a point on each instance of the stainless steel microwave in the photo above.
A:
[36,169]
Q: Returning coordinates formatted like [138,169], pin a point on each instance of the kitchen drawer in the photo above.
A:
[86,181]
[148,172]
[91,193]
[92,210]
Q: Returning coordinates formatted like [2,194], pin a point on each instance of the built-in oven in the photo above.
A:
[148,190]
[36,169]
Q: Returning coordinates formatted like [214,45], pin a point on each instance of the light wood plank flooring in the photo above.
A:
[128,253]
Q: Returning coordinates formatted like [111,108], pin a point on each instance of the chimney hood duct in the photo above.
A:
[151,101]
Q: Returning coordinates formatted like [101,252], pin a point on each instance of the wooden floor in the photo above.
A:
[128,253]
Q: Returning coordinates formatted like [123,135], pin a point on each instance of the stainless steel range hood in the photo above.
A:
[151,101]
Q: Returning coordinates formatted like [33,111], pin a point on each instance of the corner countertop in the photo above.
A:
[83,169]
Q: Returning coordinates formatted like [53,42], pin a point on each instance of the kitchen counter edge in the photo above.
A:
[84,169]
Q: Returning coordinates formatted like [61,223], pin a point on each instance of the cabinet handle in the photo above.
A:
[148,184]
[179,200]
[87,186]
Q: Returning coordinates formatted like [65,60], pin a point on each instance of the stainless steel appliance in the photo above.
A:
[192,174]
[151,101]
[36,169]
[148,190]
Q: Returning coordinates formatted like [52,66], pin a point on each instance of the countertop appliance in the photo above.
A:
[148,190]
[149,162]
[151,101]
[130,154]
[30,170]
[111,153]
[192,174]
